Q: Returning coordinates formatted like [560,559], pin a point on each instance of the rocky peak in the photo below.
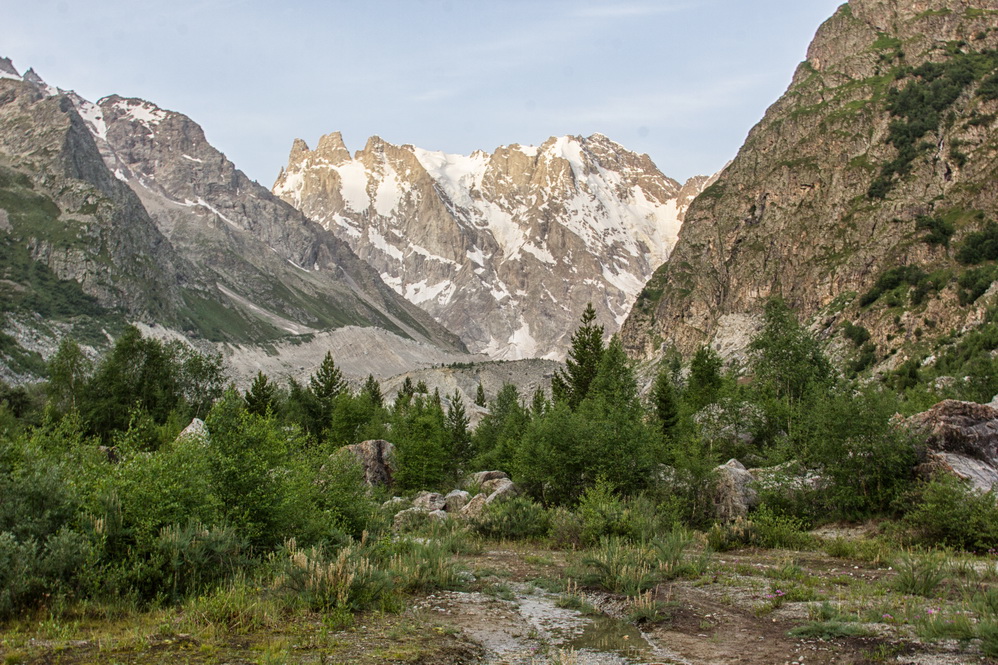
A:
[332,149]
[7,70]
[505,248]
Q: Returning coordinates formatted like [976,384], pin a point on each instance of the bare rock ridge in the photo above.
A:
[842,181]
[131,204]
[504,249]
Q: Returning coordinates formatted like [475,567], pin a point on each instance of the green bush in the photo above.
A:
[979,246]
[518,518]
[858,335]
[947,511]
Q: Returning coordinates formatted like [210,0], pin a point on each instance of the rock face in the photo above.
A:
[504,249]
[822,201]
[961,439]
[376,456]
[152,224]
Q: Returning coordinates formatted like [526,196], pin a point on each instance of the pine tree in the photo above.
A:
[327,383]
[261,398]
[583,361]
[457,425]
[664,402]
[705,381]
[372,389]
[539,405]
[407,389]
[422,388]
[480,396]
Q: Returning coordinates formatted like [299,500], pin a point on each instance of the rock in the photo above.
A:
[394,502]
[196,429]
[5,221]
[376,456]
[785,478]
[437,515]
[500,489]
[474,508]
[734,494]
[482,477]
[456,500]
[409,518]
[981,476]
[961,439]
[429,501]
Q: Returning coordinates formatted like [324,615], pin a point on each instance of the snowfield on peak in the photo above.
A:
[505,249]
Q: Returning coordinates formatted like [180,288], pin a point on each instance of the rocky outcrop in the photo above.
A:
[961,439]
[822,201]
[493,487]
[376,456]
[506,248]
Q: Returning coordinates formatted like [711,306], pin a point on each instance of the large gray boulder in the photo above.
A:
[734,491]
[961,439]
[376,456]
[456,500]
[429,501]
[481,477]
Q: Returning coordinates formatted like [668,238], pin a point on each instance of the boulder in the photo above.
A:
[437,515]
[394,502]
[490,486]
[196,430]
[456,500]
[429,501]
[376,456]
[482,477]
[734,494]
[961,439]
[409,518]
[500,489]
[474,508]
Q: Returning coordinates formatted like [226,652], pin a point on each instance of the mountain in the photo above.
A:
[122,211]
[864,198]
[505,249]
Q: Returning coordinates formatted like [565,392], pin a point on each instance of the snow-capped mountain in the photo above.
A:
[505,249]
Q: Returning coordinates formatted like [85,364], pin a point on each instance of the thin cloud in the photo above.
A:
[629,11]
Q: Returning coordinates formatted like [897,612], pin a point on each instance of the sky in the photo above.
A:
[680,80]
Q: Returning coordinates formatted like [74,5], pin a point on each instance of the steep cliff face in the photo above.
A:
[854,195]
[505,249]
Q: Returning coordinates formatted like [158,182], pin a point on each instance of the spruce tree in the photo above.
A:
[480,396]
[583,361]
[372,390]
[457,425]
[261,398]
[327,383]
[705,380]
[664,402]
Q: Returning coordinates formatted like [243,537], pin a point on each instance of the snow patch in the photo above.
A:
[540,253]
[420,292]
[193,159]
[353,188]
[93,117]
[142,112]
[382,244]
[455,175]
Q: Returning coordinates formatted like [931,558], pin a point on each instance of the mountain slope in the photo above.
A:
[505,249]
[854,195]
[129,205]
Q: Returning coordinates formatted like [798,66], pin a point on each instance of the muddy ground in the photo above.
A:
[522,605]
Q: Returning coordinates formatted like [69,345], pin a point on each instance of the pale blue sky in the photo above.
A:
[681,80]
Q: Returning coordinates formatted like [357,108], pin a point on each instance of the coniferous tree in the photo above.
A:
[373,391]
[422,388]
[583,361]
[705,381]
[664,402]
[261,398]
[458,425]
[407,389]
[480,396]
[539,404]
[327,383]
